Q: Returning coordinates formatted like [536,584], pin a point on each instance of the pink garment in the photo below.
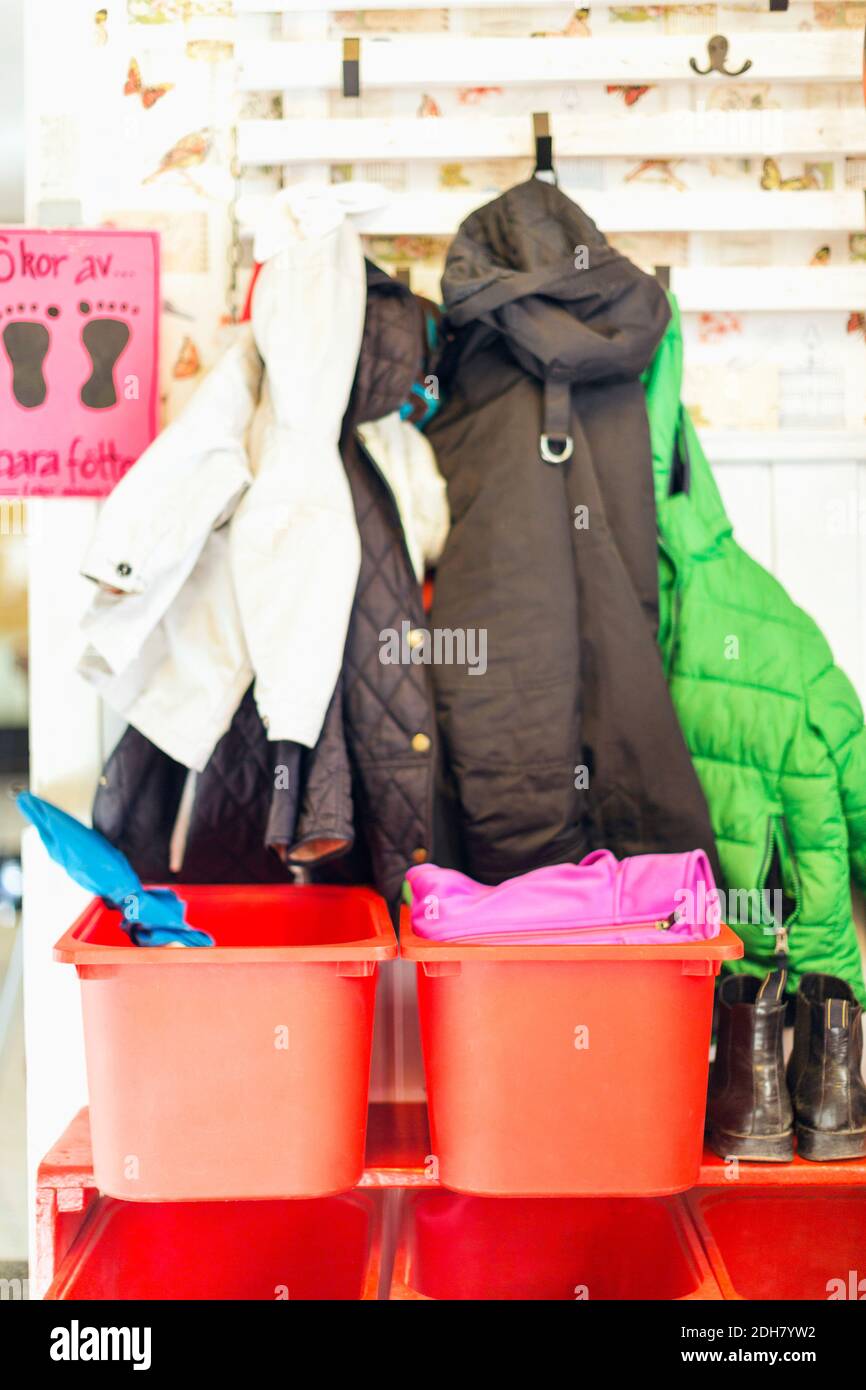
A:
[645,900]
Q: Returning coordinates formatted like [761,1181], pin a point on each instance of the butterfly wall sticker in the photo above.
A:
[187,363]
[134,87]
[577,27]
[856,323]
[630,95]
[771,178]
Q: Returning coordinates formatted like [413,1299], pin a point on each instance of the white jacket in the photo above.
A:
[233,540]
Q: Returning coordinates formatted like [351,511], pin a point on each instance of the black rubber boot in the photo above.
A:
[749,1113]
[825,1071]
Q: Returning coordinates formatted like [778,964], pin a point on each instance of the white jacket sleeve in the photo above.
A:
[294,539]
[153,527]
[186,683]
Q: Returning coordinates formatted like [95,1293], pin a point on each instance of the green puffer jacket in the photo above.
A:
[774,728]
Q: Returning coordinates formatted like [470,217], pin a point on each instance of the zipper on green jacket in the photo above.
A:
[778,838]
[669,652]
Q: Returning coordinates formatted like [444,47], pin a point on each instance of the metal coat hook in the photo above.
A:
[351,67]
[543,147]
[717,50]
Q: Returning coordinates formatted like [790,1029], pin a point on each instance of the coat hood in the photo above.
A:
[535,269]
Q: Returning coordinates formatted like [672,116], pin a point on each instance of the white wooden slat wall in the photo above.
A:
[623,210]
[250,7]
[267,65]
[711,132]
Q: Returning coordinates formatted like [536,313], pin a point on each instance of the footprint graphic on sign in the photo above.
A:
[105,337]
[26,340]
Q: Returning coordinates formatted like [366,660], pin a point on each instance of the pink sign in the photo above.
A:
[79,316]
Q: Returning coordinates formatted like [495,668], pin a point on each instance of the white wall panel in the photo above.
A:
[805,521]
[746,490]
[817,551]
[65,749]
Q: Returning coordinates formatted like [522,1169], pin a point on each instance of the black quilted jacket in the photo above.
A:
[359,806]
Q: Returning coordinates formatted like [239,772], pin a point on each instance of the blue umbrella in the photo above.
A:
[151,916]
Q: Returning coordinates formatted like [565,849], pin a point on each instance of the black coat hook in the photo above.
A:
[543,145]
[717,49]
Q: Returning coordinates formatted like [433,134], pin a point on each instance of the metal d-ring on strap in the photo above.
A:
[549,455]
[556,444]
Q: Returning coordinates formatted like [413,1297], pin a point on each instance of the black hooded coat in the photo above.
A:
[569,741]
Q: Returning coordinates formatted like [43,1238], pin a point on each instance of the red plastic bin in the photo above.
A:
[456,1247]
[808,1243]
[236,1071]
[567,1070]
[328,1248]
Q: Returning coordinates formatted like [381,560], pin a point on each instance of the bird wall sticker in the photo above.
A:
[189,152]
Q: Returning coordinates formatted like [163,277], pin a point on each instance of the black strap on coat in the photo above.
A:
[556,444]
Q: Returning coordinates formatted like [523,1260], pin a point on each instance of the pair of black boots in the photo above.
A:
[754,1107]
